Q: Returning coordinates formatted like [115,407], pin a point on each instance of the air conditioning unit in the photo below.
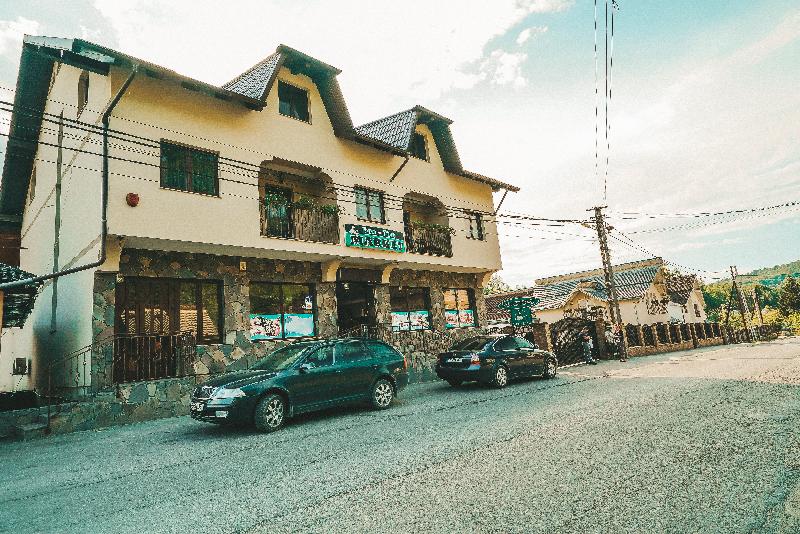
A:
[21,367]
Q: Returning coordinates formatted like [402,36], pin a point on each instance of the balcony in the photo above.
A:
[287,221]
[429,240]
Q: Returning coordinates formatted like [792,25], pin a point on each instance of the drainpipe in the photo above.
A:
[103,195]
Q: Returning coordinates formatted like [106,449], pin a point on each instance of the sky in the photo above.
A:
[704,114]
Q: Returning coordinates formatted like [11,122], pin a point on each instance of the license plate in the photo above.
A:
[454,360]
[197,407]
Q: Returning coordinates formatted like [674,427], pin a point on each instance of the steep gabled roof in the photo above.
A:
[250,89]
[395,131]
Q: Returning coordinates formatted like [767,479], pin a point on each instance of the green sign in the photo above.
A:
[360,236]
[520,309]
[521,316]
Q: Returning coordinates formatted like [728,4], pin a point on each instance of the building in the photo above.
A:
[648,292]
[238,216]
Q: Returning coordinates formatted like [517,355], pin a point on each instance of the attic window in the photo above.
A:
[83,91]
[418,147]
[293,101]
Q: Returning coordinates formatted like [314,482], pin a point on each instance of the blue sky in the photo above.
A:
[705,114]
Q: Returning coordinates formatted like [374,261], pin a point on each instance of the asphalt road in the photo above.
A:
[701,441]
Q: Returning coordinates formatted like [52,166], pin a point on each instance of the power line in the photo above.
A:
[639,215]
[733,217]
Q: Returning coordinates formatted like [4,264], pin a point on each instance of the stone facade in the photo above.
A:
[237,350]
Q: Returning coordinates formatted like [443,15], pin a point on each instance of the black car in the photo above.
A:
[303,377]
[494,360]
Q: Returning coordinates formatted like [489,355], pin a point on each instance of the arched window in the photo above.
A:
[83,91]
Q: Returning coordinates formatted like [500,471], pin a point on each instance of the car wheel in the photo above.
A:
[551,368]
[454,383]
[270,414]
[500,379]
[382,394]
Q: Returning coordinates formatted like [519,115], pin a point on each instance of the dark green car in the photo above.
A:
[303,377]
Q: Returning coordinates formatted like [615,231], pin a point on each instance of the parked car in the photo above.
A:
[494,359]
[303,377]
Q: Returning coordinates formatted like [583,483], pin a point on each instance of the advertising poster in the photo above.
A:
[451,318]
[466,317]
[265,326]
[459,318]
[419,320]
[298,324]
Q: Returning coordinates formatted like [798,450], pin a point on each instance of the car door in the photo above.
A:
[356,368]
[506,349]
[532,359]
[315,380]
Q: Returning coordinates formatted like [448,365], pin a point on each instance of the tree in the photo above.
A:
[496,285]
[789,296]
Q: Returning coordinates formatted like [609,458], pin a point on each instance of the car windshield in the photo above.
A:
[282,358]
[472,343]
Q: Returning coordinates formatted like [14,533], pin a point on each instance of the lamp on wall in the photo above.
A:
[132,199]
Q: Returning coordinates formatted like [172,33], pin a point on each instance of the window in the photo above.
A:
[459,308]
[322,357]
[169,306]
[418,148]
[293,101]
[83,91]
[696,310]
[350,351]
[410,308]
[506,343]
[281,311]
[189,169]
[475,226]
[369,205]
[381,350]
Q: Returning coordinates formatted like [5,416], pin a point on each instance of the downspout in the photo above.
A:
[103,195]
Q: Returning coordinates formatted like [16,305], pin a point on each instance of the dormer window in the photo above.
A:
[293,102]
[418,147]
[83,91]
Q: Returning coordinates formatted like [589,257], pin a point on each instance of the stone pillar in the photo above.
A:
[438,322]
[656,341]
[327,311]
[541,335]
[383,306]
[602,348]
[641,335]
[103,318]
[692,332]
[480,306]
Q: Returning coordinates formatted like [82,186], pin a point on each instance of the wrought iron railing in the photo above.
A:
[426,240]
[289,222]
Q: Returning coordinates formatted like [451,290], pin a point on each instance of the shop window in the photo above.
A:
[369,205]
[189,169]
[281,311]
[475,226]
[418,148]
[459,308]
[170,306]
[293,102]
[83,91]
[410,308]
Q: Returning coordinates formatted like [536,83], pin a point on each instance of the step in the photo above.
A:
[31,430]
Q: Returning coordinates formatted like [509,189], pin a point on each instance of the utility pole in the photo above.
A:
[757,303]
[608,272]
[743,309]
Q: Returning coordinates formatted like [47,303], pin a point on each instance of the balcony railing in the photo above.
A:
[425,240]
[289,222]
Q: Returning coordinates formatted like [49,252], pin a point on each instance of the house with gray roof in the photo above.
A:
[649,293]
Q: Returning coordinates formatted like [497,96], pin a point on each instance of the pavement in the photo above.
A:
[701,441]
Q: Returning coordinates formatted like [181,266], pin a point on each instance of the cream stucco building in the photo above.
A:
[244,214]
[648,294]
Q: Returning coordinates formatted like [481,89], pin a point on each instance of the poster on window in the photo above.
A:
[466,317]
[451,318]
[298,324]
[265,326]
[419,320]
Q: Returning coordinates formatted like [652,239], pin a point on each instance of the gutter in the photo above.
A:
[103,195]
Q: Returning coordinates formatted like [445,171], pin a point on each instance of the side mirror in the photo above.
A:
[306,367]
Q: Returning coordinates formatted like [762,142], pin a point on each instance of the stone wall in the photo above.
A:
[131,403]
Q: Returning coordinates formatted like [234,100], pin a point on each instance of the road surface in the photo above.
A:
[701,441]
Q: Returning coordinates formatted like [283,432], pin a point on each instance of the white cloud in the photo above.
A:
[504,68]
[527,33]
[391,58]
[12,32]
